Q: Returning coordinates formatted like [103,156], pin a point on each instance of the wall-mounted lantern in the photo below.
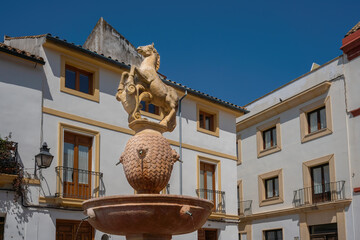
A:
[44,158]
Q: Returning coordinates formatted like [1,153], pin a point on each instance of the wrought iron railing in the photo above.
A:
[245,208]
[9,163]
[78,183]
[327,192]
[217,197]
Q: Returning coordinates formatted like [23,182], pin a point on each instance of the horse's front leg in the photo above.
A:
[169,119]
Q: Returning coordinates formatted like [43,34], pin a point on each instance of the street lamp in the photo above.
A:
[44,158]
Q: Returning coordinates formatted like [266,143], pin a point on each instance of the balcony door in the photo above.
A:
[320,183]
[77,165]
[207,181]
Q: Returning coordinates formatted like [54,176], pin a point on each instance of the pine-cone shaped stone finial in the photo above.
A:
[148,160]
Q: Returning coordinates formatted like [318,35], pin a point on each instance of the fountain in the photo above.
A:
[148,161]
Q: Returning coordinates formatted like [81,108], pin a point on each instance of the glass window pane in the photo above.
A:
[68,161]
[313,122]
[202,179]
[143,104]
[207,122]
[201,119]
[327,178]
[70,79]
[83,164]
[317,179]
[274,137]
[267,136]
[322,118]
[279,235]
[276,190]
[84,83]
[209,182]
[269,188]
[243,236]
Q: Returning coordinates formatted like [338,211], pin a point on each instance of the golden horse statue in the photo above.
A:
[143,84]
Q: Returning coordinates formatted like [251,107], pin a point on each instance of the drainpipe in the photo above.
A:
[180,139]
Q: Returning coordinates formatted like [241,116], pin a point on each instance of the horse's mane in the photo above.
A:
[157,65]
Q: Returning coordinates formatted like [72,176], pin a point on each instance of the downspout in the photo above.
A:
[180,139]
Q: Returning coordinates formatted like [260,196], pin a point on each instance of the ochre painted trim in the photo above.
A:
[31,181]
[297,210]
[212,111]
[152,115]
[96,160]
[239,149]
[83,57]
[65,202]
[262,189]
[304,124]
[218,170]
[261,152]
[245,227]
[284,105]
[6,180]
[130,132]
[66,60]
[218,216]
[87,121]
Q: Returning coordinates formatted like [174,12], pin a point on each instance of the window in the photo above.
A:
[207,181]
[79,78]
[78,170]
[77,165]
[207,120]
[318,176]
[207,234]
[275,234]
[67,229]
[242,236]
[150,108]
[2,225]
[268,138]
[315,120]
[271,188]
[324,231]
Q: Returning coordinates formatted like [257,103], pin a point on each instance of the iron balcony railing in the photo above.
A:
[78,183]
[217,197]
[9,163]
[245,208]
[327,192]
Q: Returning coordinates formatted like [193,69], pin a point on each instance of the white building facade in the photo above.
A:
[298,168]
[66,98]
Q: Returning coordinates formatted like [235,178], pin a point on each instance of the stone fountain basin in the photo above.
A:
[147,214]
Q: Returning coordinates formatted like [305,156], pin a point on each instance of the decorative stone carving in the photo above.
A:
[143,84]
[148,161]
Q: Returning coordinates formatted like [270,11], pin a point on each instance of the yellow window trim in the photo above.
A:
[239,153]
[261,152]
[65,202]
[152,115]
[306,167]
[211,161]
[261,187]
[96,137]
[304,124]
[212,111]
[67,60]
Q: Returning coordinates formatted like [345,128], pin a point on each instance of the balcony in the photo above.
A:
[245,208]
[9,163]
[321,193]
[78,184]
[217,197]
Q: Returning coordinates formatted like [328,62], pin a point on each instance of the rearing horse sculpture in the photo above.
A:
[143,84]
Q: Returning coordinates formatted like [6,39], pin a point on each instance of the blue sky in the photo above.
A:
[234,50]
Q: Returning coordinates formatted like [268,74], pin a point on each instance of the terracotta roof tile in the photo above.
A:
[21,53]
[354,29]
